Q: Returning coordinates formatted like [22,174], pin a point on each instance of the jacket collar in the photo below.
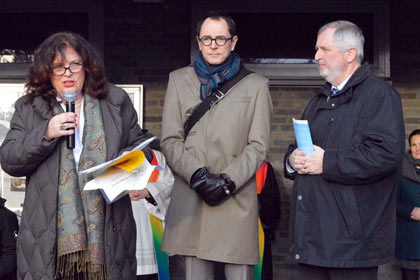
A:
[358,76]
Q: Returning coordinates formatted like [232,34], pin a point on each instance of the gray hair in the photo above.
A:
[346,35]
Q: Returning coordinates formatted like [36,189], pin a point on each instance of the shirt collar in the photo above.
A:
[341,86]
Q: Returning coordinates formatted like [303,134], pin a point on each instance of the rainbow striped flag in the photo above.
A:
[161,257]
[157,231]
[261,240]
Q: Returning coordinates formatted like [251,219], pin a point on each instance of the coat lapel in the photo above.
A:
[195,82]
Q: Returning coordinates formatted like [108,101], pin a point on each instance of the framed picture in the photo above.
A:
[136,95]
[17,184]
[11,188]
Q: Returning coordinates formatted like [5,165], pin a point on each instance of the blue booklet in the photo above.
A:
[303,136]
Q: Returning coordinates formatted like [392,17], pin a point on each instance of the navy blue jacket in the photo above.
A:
[408,230]
[345,217]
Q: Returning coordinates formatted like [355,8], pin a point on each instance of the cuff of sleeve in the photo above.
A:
[289,168]
[39,133]
[329,163]
[158,209]
[404,210]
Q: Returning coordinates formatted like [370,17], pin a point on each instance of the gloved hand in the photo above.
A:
[212,188]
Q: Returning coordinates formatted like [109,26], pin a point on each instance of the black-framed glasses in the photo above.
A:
[220,40]
[73,68]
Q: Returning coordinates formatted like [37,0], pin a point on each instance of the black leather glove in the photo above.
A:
[212,188]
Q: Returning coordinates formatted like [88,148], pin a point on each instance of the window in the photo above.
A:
[24,25]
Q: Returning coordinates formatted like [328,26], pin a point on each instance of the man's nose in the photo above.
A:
[213,44]
[317,55]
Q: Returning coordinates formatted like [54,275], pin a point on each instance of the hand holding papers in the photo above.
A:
[303,136]
[121,175]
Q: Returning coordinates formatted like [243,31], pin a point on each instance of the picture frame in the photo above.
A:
[13,188]
[135,91]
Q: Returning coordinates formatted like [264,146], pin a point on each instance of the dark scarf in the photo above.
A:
[80,217]
[212,76]
[409,168]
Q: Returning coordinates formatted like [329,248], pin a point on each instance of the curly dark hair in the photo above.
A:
[38,81]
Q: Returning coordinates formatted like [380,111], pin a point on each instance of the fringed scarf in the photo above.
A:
[80,217]
[411,168]
[212,76]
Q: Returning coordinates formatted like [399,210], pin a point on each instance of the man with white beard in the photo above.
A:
[343,205]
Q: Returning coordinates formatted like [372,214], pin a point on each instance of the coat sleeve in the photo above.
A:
[24,148]
[172,142]
[7,247]
[161,189]
[381,146]
[246,164]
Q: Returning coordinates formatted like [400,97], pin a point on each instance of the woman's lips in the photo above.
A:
[68,83]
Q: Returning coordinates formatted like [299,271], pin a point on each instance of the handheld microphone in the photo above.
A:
[70,98]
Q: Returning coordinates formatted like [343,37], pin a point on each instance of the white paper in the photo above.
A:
[115,182]
[102,166]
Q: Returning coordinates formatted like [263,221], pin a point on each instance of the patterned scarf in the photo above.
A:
[212,76]
[80,217]
[411,168]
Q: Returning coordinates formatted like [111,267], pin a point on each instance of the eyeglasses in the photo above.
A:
[73,68]
[220,40]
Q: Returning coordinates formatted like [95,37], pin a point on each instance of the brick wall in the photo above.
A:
[144,42]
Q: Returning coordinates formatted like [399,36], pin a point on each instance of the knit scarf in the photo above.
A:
[80,217]
[410,168]
[212,76]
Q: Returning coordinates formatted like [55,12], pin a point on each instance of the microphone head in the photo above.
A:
[70,96]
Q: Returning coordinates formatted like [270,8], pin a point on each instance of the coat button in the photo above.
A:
[114,228]
[333,105]
[297,256]
[299,197]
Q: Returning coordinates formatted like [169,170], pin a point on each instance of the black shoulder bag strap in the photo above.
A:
[210,100]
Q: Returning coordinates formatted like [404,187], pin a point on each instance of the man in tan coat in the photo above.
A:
[213,212]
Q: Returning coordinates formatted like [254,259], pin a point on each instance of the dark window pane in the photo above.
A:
[291,35]
[23,32]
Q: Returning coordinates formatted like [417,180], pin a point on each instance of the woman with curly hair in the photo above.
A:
[65,232]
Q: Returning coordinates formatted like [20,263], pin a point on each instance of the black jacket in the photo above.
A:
[408,230]
[8,234]
[345,217]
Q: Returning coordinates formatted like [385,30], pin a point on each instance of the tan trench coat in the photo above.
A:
[232,138]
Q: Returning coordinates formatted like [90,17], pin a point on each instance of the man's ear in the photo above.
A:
[351,54]
[234,40]
[198,42]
